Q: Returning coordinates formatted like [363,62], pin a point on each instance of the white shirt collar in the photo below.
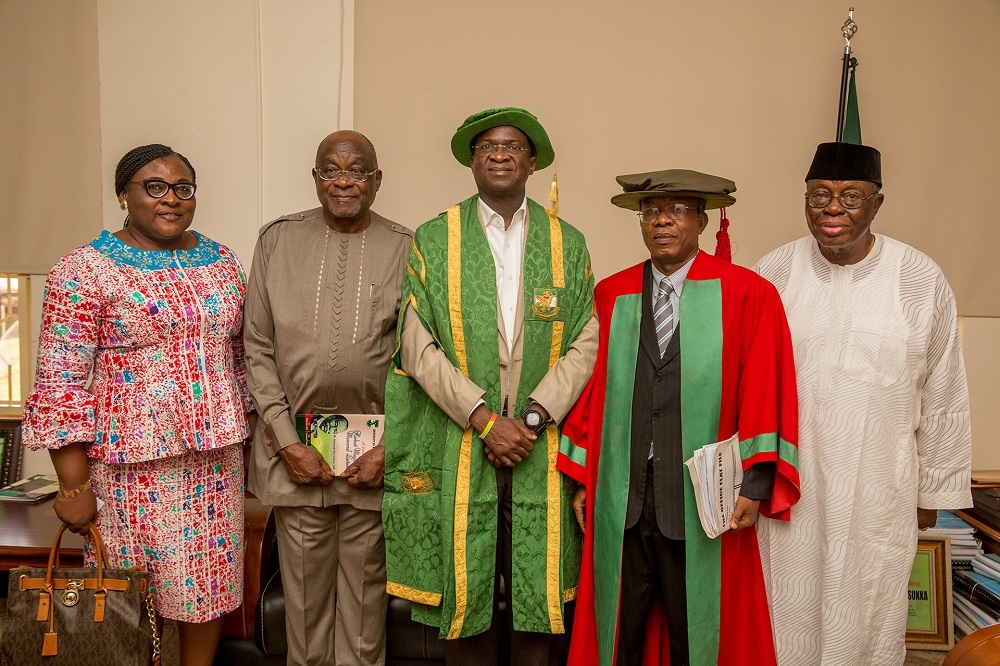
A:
[491,218]
[676,278]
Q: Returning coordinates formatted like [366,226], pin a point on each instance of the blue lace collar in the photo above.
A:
[202,254]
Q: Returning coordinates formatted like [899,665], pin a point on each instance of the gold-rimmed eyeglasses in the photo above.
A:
[333,173]
[849,200]
[676,212]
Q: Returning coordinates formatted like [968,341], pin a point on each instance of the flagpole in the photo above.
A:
[848,29]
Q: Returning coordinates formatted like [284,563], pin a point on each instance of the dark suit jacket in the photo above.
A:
[656,418]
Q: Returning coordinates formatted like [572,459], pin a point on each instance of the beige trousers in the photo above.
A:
[333,573]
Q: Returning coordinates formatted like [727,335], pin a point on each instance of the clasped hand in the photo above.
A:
[508,442]
[305,465]
[368,470]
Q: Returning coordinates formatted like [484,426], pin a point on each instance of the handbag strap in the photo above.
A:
[156,634]
[99,552]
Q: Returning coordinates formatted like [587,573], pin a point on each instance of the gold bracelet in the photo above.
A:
[489,426]
[69,494]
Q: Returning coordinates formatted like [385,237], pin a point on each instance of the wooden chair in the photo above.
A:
[980,648]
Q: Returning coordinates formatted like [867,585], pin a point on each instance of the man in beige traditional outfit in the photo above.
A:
[320,320]
[497,341]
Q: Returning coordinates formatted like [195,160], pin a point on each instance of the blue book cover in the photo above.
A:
[949,523]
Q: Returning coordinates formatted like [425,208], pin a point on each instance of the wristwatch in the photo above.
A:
[534,420]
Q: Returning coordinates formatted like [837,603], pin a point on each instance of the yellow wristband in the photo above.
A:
[489,426]
[69,494]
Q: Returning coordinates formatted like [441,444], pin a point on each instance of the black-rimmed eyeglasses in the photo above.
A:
[490,148]
[158,189]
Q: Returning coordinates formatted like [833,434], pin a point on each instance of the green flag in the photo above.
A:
[852,122]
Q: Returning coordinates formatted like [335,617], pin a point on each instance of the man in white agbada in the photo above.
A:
[884,437]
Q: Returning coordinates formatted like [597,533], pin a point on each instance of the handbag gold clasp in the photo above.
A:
[72,594]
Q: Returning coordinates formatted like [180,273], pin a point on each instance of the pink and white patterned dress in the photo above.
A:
[160,334]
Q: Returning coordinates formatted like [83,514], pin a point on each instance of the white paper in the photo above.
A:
[716,474]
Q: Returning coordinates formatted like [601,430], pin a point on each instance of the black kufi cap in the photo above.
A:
[846,161]
[139,157]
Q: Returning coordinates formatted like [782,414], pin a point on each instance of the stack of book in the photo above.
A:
[970,612]
[976,594]
[964,544]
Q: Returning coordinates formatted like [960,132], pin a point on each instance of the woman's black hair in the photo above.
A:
[139,157]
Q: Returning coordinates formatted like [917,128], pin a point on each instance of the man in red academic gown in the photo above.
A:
[692,351]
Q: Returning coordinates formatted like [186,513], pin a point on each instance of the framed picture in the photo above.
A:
[929,625]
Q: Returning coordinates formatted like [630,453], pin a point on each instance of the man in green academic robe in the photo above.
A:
[496,341]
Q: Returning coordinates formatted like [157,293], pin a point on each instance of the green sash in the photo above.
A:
[701,391]
[440,502]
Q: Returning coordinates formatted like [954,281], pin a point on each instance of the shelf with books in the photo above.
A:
[990,532]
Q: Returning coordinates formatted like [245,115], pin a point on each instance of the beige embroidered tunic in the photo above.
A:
[320,326]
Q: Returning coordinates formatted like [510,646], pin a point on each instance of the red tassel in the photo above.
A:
[723,246]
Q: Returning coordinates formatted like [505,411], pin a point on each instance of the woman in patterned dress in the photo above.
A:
[140,396]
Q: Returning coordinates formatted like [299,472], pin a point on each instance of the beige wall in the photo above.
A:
[981,340]
[743,90]
[740,89]
[50,131]
[245,89]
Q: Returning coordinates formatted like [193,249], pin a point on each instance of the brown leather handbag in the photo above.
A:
[101,616]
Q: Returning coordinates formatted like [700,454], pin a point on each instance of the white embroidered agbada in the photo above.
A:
[883,429]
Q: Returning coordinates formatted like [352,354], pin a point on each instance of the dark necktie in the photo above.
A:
[663,315]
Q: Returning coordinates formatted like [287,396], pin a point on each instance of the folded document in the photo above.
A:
[717,474]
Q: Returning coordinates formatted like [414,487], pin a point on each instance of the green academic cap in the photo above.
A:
[478,123]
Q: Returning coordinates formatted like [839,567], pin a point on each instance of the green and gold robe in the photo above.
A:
[440,504]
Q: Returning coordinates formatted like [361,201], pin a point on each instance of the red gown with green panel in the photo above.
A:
[737,375]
